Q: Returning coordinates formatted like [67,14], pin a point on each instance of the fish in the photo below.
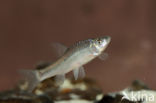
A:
[69,59]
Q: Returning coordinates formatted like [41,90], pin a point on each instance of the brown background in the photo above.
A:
[28,27]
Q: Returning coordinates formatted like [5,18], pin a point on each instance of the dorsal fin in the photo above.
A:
[59,49]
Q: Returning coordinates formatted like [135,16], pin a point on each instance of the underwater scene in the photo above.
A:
[84,51]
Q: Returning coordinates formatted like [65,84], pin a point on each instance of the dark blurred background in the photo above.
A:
[28,27]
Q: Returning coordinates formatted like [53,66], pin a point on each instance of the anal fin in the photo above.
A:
[59,79]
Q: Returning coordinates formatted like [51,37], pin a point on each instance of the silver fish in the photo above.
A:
[71,59]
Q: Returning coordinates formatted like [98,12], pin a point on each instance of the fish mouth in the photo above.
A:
[107,38]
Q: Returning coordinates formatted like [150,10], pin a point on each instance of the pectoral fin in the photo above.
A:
[59,49]
[79,73]
[103,56]
[76,73]
[59,79]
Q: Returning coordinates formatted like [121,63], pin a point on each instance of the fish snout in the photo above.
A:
[107,39]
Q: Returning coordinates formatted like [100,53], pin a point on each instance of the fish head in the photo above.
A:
[100,44]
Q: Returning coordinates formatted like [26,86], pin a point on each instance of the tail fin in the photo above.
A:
[30,76]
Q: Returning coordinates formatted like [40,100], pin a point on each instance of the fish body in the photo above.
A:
[72,59]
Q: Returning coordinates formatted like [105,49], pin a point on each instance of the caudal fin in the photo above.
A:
[30,76]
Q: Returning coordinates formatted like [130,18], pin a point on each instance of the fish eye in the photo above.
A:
[99,41]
